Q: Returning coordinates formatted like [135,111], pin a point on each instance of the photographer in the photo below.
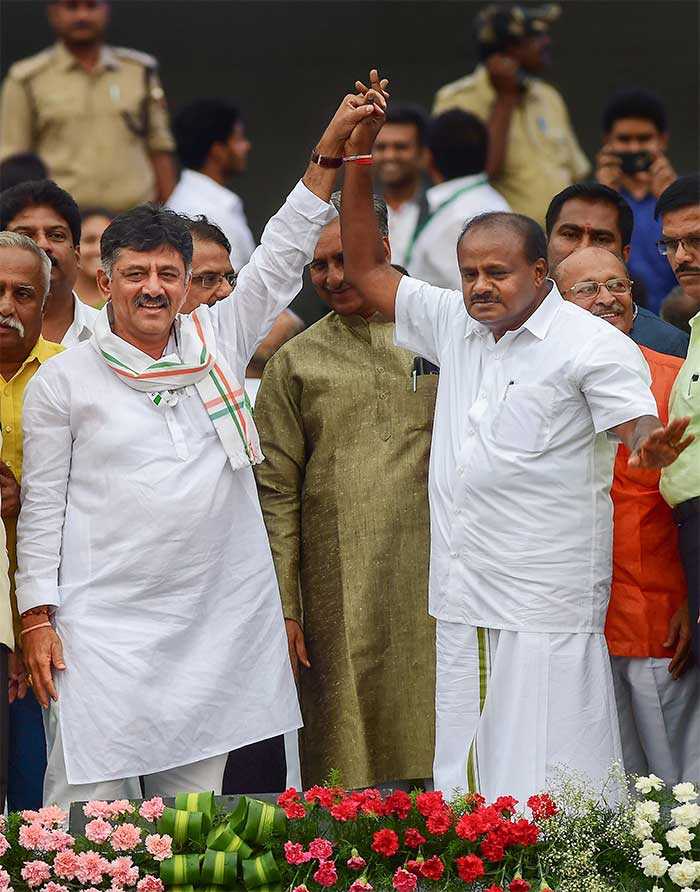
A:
[633,162]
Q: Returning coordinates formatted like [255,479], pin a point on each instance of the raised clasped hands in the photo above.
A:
[361,140]
[662,446]
[355,108]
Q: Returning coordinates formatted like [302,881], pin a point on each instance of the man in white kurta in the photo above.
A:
[151,547]
[520,472]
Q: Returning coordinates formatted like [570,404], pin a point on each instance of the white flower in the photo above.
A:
[657,889]
[647,784]
[654,866]
[641,829]
[687,815]
[684,873]
[649,847]
[648,810]
[685,792]
[680,838]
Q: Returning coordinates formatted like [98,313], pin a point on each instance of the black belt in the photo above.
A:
[686,509]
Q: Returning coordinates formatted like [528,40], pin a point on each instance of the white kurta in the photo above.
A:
[154,549]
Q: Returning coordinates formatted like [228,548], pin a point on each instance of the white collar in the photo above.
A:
[537,324]
[436,195]
[83,319]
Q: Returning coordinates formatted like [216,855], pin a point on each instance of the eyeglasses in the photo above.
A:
[213,280]
[691,244]
[591,289]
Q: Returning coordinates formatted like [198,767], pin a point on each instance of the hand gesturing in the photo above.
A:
[662,446]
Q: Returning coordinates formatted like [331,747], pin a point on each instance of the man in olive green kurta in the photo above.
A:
[344,495]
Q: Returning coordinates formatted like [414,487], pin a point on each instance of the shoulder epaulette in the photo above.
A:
[129,55]
[27,68]
[464,83]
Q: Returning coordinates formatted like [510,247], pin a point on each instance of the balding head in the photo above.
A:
[597,265]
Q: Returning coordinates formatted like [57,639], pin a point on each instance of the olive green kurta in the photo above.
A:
[344,495]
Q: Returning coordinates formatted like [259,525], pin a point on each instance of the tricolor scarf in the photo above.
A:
[195,363]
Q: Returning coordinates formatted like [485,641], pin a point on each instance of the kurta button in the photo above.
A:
[8,428]
[380,368]
[382,396]
[460,470]
[386,435]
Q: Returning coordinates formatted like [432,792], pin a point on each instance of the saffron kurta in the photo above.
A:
[343,492]
[153,548]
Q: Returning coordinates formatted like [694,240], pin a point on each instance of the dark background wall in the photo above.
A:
[286,64]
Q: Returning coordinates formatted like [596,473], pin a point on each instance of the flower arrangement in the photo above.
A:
[360,841]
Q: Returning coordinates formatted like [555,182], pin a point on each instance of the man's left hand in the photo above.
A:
[662,446]
[9,492]
[662,175]
[679,636]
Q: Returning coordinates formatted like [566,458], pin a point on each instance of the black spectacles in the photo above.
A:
[691,244]
[213,280]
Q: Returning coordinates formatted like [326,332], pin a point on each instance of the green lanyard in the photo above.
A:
[421,226]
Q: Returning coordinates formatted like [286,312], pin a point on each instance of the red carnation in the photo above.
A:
[294,853]
[541,806]
[492,849]
[494,889]
[427,803]
[326,875]
[290,795]
[524,833]
[505,803]
[371,802]
[414,865]
[469,868]
[385,842]
[468,827]
[476,799]
[413,838]
[519,885]
[433,868]
[320,848]
[322,795]
[294,811]
[398,804]
[439,822]
[346,810]
[404,880]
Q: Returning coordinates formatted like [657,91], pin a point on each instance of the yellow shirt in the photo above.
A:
[6,633]
[681,480]
[11,401]
[542,153]
[94,130]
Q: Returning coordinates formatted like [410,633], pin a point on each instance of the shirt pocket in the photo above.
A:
[524,417]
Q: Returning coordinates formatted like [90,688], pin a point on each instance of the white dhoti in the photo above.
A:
[659,718]
[515,709]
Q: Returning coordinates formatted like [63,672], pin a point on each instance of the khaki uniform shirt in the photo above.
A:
[93,130]
[542,153]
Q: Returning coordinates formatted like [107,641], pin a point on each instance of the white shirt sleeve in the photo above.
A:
[272,278]
[435,254]
[614,378]
[426,317]
[48,446]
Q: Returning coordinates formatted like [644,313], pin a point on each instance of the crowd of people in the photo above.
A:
[448,535]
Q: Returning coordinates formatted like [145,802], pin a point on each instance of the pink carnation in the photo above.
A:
[96,808]
[404,880]
[34,873]
[356,862]
[52,814]
[125,838]
[320,848]
[294,853]
[91,867]
[54,887]
[65,864]
[123,872]
[59,840]
[98,831]
[4,844]
[361,885]
[150,884]
[159,847]
[28,815]
[152,809]
[5,880]
[302,888]
[34,836]
[326,874]
[120,807]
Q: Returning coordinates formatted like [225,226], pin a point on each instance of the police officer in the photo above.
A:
[533,151]
[94,113]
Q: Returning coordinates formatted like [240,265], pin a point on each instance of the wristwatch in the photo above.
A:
[326,160]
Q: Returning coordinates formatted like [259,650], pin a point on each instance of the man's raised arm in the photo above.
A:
[363,253]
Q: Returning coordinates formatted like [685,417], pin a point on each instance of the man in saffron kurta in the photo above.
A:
[346,432]
[647,628]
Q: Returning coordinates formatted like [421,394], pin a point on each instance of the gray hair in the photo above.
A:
[380,211]
[17,240]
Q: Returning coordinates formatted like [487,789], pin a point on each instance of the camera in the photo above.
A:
[635,162]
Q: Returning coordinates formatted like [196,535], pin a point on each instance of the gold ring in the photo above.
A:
[29,679]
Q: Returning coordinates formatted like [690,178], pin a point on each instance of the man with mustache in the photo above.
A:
[47,214]
[647,626]
[679,211]
[345,426]
[521,464]
[144,566]
[25,272]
